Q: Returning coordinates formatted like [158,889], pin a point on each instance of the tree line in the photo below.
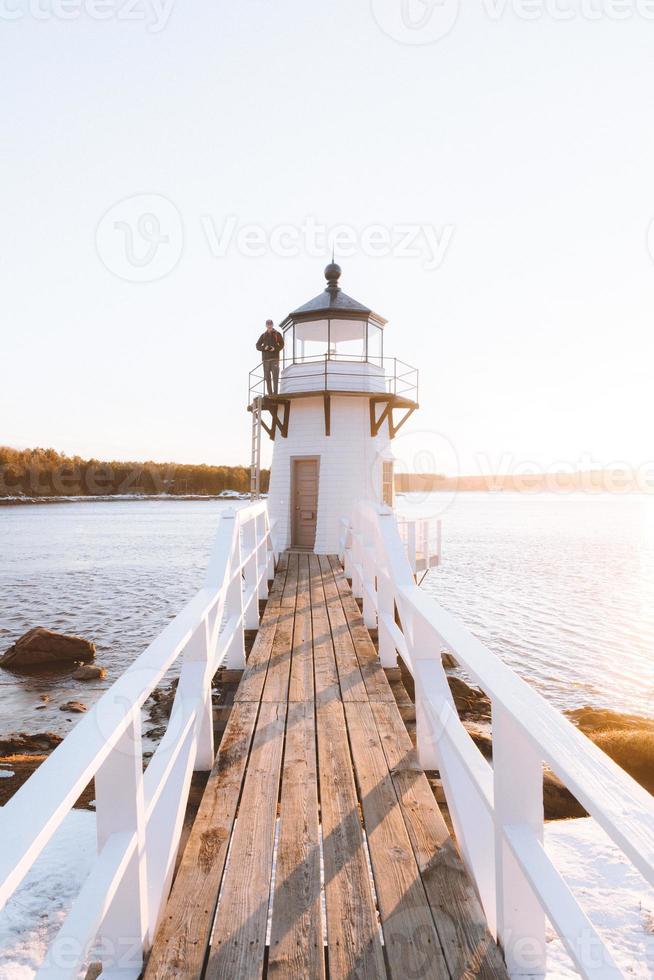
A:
[47,473]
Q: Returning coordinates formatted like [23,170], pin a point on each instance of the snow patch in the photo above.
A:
[617,900]
[615,897]
[34,914]
[6,774]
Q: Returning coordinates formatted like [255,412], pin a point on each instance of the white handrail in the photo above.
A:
[140,815]
[497,810]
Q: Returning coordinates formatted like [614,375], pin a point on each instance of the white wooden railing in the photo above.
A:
[140,814]
[497,810]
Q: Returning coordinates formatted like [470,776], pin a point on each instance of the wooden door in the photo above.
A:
[304,503]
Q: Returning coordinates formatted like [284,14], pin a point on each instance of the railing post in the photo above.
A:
[262,554]
[120,808]
[227,561]
[411,545]
[369,583]
[270,551]
[385,613]
[518,796]
[193,685]
[432,690]
[251,575]
[357,562]
[346,546]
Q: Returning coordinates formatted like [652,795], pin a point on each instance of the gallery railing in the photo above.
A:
[336,372]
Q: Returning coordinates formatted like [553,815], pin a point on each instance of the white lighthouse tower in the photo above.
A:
[340,403]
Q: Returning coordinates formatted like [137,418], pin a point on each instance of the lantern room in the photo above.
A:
[335,326]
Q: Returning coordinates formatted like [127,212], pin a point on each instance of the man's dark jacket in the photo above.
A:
[270,343]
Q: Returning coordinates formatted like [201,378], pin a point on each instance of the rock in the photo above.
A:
[44,648]
[22,743]
[90,672]
[448,659]
[471,703]
[558,801]
[591,720]
[75,706]
[45,697]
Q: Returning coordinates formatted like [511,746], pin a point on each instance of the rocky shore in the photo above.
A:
[627,739]
[46,656]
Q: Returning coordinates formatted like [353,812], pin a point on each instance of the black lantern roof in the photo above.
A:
[333,302]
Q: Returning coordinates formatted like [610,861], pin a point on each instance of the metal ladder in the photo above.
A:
[255,460]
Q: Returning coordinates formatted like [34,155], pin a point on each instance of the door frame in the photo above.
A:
[307,458]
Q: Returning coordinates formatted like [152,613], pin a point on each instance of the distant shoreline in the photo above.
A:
[450,488]
[117,497]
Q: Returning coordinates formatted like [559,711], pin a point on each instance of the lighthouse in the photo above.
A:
[340,403]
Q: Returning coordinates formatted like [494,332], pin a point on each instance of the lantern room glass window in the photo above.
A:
[310,340]
[375,349]
[347,339]
[336,339]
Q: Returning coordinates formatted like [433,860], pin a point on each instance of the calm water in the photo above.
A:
[561,587]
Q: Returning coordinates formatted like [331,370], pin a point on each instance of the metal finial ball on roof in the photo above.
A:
[332,275]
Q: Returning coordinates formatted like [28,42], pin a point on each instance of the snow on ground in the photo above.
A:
[33,915]
[615,897]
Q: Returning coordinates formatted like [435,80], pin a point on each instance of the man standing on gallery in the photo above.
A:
[270,343]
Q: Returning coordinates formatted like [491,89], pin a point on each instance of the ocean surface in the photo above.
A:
[560,586]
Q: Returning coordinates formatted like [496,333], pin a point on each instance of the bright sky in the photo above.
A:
[519,149]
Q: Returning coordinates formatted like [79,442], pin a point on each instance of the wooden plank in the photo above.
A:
[411,941]
[254,675]
[468,947]
[279,666]
[354,945]
[325,672]
[182,939]
[239,939]
[374,678]
[349,673]
[301,683]
[296,942]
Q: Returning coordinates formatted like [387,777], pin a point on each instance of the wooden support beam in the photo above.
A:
[277,424]
[376,423]
[395,428]
[327,403]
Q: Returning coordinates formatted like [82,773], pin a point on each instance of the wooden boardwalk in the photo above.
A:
[318,849]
